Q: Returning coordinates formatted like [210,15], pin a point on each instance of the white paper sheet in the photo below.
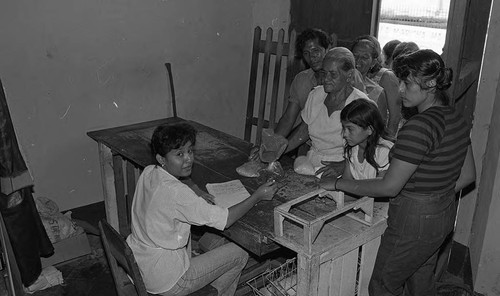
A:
[229,193]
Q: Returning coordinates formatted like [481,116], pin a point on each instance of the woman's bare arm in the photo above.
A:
[390,83]
[389,185]
[299,136]
[288,119]
[265,191]
[347,171]
[468,172]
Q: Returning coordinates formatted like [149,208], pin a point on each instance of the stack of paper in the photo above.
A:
[229,193]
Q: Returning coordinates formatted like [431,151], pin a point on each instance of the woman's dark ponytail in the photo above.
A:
[444,78]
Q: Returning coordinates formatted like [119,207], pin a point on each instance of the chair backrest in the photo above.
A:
[262,50]
[171,86]
[121,262]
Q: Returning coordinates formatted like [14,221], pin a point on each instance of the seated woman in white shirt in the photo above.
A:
[321,117]
[163,211]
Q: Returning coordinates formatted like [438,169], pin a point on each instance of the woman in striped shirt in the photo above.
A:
[431,160]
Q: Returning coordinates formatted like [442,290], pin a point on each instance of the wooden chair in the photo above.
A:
[122,263]
[171,86]
[262,51]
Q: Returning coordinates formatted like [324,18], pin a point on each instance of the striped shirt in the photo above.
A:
[436,140]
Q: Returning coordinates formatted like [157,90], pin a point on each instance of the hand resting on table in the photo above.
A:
[331,169]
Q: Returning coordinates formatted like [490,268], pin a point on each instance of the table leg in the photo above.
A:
[108,184]
[307,275]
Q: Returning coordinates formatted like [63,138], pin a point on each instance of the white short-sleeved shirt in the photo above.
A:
[364,170]
[163,211]
[325,131]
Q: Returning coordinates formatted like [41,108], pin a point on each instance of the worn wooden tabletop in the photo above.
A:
[217,155]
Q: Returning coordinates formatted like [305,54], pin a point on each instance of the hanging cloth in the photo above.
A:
[24,226]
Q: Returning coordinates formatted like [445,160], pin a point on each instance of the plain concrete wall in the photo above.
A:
[69,67]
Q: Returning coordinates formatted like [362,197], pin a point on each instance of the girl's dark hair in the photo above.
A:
[168,137]
[366,115]
[311,34]
[375,49]
[422,67]
[389,47]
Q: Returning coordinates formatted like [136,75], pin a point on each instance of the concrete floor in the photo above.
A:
[89,275]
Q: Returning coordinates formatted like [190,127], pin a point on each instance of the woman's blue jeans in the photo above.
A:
[417,226]
[220,267]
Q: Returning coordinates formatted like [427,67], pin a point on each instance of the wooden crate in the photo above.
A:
[335,252]
[311,228]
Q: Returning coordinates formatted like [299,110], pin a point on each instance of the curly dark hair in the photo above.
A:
[168,137]
[311,34]
[366,115]
[422,67]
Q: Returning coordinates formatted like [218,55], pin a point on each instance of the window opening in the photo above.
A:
[421,21]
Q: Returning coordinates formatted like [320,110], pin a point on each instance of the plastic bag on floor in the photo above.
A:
[57,225]
[49,277]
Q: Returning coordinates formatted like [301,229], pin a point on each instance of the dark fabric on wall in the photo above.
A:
[11,161]
[28,242]
[27,235]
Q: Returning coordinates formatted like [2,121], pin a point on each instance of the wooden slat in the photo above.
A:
[290,66]
[335,283]
[256,120]
[274,46]
[265,49]
[131,182]
[253,83]
[343,274]
[455,34]
[108,186]
[325,274]
[121,202]
[276,79]
[263,85]
[468,75]
[349,271]
[307,275]
[368,256]
[117,251]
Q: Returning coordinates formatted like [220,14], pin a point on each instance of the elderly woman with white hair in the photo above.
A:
[321,117]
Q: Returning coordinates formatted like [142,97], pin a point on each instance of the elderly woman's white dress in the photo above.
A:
[325,132]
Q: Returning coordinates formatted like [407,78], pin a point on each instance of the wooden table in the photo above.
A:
[125,151]
[340,261]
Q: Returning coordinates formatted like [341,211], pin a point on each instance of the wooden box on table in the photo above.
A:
[336,250]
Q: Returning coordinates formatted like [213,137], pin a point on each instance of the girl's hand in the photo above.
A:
[267,190]
[331,169]
[328,183]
